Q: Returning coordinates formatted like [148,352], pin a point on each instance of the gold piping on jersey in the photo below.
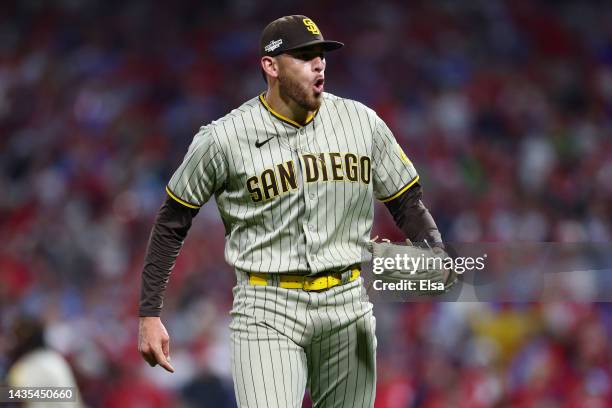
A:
[178,200]
[284,118]
[402,154]
[399,193]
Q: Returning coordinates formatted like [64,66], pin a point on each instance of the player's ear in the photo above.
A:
[269,66]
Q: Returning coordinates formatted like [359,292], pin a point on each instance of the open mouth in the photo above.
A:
[318,85]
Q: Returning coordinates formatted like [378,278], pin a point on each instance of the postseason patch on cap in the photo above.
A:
[274,44]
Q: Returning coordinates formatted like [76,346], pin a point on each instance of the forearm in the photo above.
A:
[167,235]
[413,218]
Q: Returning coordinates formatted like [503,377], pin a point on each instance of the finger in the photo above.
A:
[149,358]
[166,348]
[146,355]
[162,361]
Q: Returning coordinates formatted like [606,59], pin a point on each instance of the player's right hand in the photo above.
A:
[154,342]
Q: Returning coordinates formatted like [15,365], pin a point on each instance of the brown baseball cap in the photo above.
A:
[290,33]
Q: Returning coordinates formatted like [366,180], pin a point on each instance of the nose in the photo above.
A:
[318,64]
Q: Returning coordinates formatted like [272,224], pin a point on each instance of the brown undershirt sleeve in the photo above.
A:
[413,218]
[167,235]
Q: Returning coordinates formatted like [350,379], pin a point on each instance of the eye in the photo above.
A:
[308,55]
[315,55]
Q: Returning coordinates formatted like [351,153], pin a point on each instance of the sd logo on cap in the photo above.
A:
[287,33]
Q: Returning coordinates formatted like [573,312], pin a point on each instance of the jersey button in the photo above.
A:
[311,228]
[312,196]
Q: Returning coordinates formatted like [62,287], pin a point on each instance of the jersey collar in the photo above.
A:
[284,118]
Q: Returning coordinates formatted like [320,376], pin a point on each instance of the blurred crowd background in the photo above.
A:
[504,107]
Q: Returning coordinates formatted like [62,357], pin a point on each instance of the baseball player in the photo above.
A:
[294,172]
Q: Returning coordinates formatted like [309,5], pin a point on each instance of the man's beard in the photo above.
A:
[296,91]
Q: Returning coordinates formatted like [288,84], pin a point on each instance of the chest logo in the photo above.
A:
[258,144]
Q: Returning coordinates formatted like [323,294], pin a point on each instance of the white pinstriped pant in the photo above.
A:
[284,340]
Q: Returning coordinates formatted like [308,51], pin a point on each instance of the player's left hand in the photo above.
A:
[154,342]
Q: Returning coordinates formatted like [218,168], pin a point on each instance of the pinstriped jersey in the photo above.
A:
[294,198]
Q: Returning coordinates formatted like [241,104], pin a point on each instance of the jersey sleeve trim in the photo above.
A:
[399,193]
[178,200]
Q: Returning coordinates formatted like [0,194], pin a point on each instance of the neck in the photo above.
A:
[286,106]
